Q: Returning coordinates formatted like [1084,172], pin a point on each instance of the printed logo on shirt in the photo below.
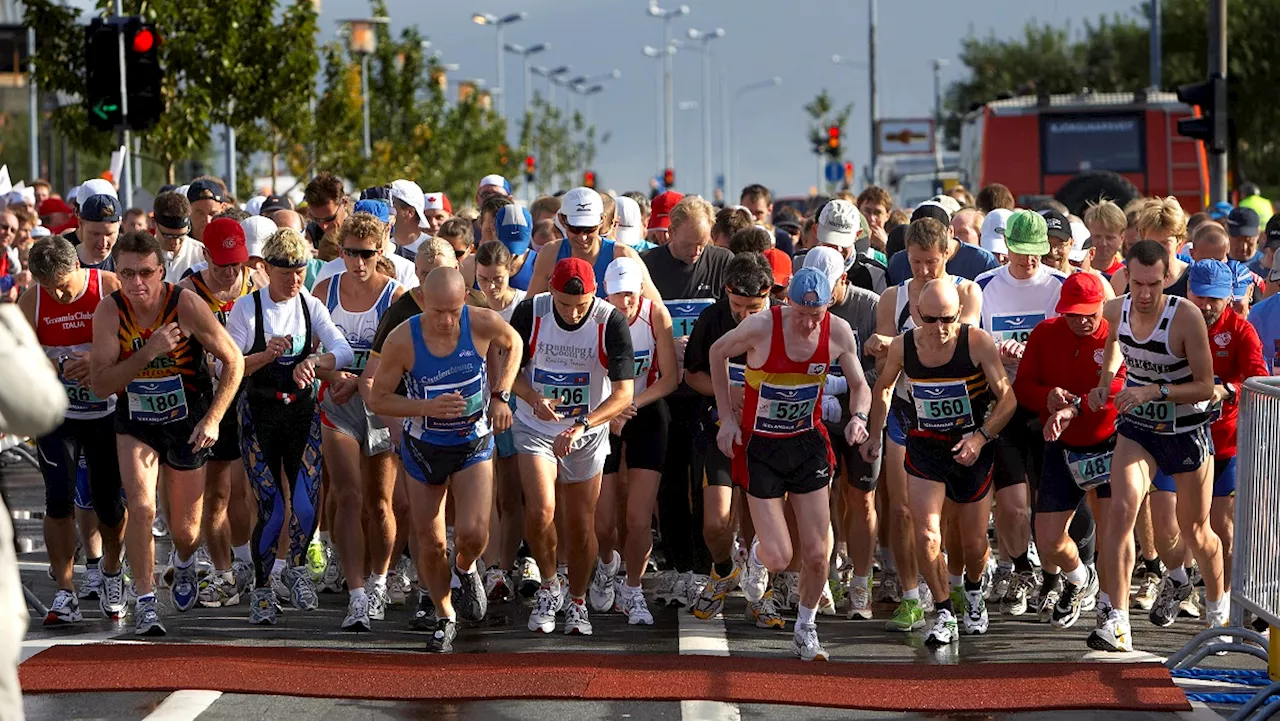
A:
[817,368]
[1098,354]
[1222,339]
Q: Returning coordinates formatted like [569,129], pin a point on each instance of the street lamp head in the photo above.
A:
[513,17]
[775,80]
[718,32]
[537,48]
[683,10]
[538,69]
[559,71]
[651,51]
[687,105]
[483,19]
[360,35]
[513,48]
[615,74]
[837,59]
[592,90]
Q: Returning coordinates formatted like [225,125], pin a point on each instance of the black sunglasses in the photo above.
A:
[944,319]
[460,254]
[581,231]
[365,253]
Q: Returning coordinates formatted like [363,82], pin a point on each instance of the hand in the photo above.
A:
[856,432]
[877,345]
[76,368]
[1012,349]
[304,374]
[341,390]
[1134,396]
[628,413]
[615,425]
[1219,394]
[22,280]
[879,238]
[447,405]
[835,385]
[499,417]
[1059,399]
[545,409]
[681,343]
[1058,423]
[728,437]
[278,346]
[830,409]
[205,433]
[164,340]
[871,448]
[967,450]
[1098,398]
[565,440]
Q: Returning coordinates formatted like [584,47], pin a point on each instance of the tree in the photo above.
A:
[563,147]
[822,112]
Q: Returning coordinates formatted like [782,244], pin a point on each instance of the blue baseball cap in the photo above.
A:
[515,228]
[1210,278]
[1218,211]
[378,208]
[101,208]
[1243,278]
[808,281]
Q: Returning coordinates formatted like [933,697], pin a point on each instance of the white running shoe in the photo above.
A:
[756,580]
[91,586]
[601,593]
[693,589]
[859,602]
[112,598]
[399,582]
[975,613]
[827,602]
[1112,635]
[945,630]
[377,601]
[64,610]
[926,595]
[680,591]
[278,587]
[497,585]
[357,613]
[635,608]
[542,619]
[805,644]
[577,621]
[527,577]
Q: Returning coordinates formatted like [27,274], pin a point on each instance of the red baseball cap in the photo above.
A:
[660,216]
[55,205]
[1082,294]
[781,263]
[437,201]
[224,239]
[573,268]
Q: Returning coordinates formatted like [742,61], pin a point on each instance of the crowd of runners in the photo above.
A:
[964,409]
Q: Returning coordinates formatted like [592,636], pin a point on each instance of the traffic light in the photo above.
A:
[530,167]
[142,68]
[142,71]
[589,179]
[102,76]
[669,178]
[1210,99]
[833,139]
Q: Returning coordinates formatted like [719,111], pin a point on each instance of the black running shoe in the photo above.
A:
[471,600]
[441,640]
[424,618]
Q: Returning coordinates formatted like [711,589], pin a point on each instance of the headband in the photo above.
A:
[286,263]
[173,221]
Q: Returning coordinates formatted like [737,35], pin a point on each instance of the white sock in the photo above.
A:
[806,615]
[754,558]
[146,596]
[614,561]
[911,594]
[242,554]
[1220,607]
[179,563]
[468,569]
[1179,574]
[861,581]
[1078,576]
[1124,615]
[378,580]
[956,581]
[277,568]
[1104,599]
[632,590]
[357,592]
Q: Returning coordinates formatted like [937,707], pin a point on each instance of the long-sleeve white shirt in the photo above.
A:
[285,318]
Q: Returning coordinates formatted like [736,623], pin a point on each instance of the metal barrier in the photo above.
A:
[1255,568]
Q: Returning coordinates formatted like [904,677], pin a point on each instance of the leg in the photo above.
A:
[215,526]
[580,500]
[774,548]
[1131,471]
[642,494]
[1222,520]
[813,516]
[606,519]
[1051,538]
[1195,497]
[139,471]
[1164,524]
[971,519]
[472,490]
[346,493]
[538,480]
[426,504]
[1013,522]
[59,463]
[379,476]
[510,512]
[717,523]
[186,500]
[901,527]
[926,510]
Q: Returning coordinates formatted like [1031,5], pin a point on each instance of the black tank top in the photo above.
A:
[274,381]
[951,399]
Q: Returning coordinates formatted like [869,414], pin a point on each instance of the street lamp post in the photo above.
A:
[551,76]
[362,40]
[761,85]
[705,38]
[666,16]
[524,53]
[588,85]
[659,105]
[938,64]
[498,23]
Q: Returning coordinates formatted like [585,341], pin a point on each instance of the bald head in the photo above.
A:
[285,218]
[939,298]
[445,285]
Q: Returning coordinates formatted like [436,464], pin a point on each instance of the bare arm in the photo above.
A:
[700,382]
[666,352]
[971,304]
[1189,323]
[395,360]
[1111,358]
[983,352]
[504,364]
[844,347]
[619,399]
[883,392]
[468,270]
[201,323]
[108,374]
[1120,281]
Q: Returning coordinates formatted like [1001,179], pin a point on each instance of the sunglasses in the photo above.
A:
[460,254]
[1076,316]
[364,253]
[5,228]
[130,274]
[743,294]
[575,230]
[943,319]
[173,236]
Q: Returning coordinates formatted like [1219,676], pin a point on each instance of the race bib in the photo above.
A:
[786,410]
[361,350]
[157,400]
[1089,470]
[737,379]
[472,392]
[1154,416]
[571,389]
[1011,326]
[80,399]
[684,313]
[644,361]
[942,406]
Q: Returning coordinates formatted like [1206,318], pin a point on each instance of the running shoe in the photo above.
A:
[91,586]
[576,619]
[859,602]
[204,564]
[243,574]
[805,644]
[826,602]
[957,599]
[944,631]
[680,591]
[301,593]
[542,619]
[1147,590]
[159,528]
[792,581]
[64,610]
[1089,599]
[1112,635]
[1033,554]
[357,613]
[441,640]
[529,578]
[424,616]
[185,588]
[317,560]
[218,590]
[693,588]
[262,607]
[1172,594]
[146,618]
[926,595]
[890,589]
[1190,607]
[331,581]
[1000,583]
[1068,607]
[907,617]
[111,600]
[635,608]
[377,596]
[400,582]
[279,587]
[1014,602]
[563,598]
[765,612]
[497,586]
[711,601]
[756,579]
[1047,597]
[975,613]
[601,593]
[470,601]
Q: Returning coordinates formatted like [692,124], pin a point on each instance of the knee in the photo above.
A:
[471,536]
[717,527]
[539,521]
[816,557]
[141,510]
[900,513]
[774,556]
[931,537]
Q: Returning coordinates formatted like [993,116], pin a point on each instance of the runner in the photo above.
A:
[1106,224]
[207,197]
[277,328]
[220,285]
[98,227]
[785,452]
[638,434]
[1060,365]
[1161,220]
[356,444]
[579,378]
[448,443]
[59,312]
[410,227]
[961,401]
[149,342]
[174,225]
[747,282]
[514,227]
[1163,425]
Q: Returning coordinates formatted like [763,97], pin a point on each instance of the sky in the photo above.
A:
[763,39]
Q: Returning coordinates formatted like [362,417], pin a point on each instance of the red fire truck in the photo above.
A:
[1076,148]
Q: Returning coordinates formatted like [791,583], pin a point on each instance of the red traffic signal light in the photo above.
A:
[529,164]
[144,40]
[833,137]
[669,177]
[589,179]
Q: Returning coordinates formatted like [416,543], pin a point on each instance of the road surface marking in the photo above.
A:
[183,705]
[705,638]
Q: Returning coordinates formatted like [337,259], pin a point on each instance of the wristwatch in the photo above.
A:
[585,423]
[1078,403]
[1231,392]
[504,396]
[988,436]
[862,417]
[1164,391]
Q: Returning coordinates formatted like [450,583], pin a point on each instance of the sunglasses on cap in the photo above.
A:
[743,294]
[943,319]
[365,253]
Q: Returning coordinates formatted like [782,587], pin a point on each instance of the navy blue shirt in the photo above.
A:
[969,262]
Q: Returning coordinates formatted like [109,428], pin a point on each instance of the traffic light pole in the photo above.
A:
[126,144]
[1218,65]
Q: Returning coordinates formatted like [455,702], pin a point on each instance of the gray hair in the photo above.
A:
[433,250]
[51,259]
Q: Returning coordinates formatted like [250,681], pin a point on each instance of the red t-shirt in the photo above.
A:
[1055,357]
[1237,355]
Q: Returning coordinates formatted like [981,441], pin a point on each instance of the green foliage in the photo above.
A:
[563,147]
[821,110]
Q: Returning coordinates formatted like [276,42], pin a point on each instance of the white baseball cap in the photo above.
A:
[96,186]
[582,208]
[630,229]
[839,224]
[827,260]
[72,194]
[1079,236]
[993,231]
[253,206]
[256,231]
[950,204]
[410,193]
[623,276]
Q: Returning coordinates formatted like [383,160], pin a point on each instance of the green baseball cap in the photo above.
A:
[1026,233]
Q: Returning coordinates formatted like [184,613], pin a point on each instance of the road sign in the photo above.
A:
[834,171]
[905,136]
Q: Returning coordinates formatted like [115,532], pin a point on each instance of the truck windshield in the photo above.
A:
[1076,143]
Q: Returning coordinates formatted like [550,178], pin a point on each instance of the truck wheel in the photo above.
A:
[1089,187]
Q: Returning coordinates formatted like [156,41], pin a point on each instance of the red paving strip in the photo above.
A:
[586,676]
